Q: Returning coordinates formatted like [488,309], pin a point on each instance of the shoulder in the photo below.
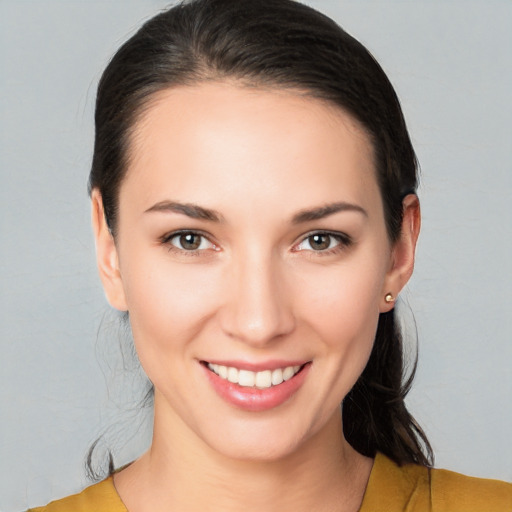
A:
[451,490]
[101,497]
[414,488]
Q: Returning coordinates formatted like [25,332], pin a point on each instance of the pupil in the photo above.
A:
[319,242]
[190,241]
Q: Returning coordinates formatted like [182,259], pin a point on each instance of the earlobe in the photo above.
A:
[106,255]
[403,253]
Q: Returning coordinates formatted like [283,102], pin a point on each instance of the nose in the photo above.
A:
[258,309]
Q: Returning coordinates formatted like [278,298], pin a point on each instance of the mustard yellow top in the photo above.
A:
[391,488]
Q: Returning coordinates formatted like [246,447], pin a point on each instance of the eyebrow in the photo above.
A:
[198,212]
[326,210]
[190,210]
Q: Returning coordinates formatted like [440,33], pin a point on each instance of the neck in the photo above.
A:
[180,472]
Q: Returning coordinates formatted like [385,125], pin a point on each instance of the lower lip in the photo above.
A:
[254,399]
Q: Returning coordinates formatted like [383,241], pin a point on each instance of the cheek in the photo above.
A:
[344,303]
[341,311]
[168,303]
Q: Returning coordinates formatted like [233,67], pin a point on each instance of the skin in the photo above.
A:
[255,290]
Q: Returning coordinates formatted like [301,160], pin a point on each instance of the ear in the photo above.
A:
[402,256]
[106,255]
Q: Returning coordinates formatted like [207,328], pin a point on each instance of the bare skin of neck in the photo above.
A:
[325,475]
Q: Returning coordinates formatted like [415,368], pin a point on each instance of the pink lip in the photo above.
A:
[252,399]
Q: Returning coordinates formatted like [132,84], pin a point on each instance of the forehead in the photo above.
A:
[215,139]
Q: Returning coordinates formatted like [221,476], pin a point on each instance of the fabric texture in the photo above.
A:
[413,488]
[391,488]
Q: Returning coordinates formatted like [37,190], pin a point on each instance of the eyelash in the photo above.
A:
[344,242]
[167,241]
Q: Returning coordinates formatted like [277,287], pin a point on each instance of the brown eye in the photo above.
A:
[324,243]
[190,241]
[319,242]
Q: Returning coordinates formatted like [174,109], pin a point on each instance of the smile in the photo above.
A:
[248,379]
[261,388]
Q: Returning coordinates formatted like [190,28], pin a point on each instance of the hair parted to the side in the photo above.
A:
[277,44]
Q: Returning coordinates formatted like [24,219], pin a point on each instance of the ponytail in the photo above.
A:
[375,418]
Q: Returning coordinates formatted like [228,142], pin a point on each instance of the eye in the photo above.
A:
[189,241]
[323,242]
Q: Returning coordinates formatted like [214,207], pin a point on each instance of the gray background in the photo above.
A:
[62,381]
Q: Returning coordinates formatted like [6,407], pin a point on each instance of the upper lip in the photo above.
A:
[273,364]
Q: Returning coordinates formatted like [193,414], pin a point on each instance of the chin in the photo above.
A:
[259,440]
[267,450]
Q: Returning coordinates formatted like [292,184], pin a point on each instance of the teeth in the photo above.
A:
[222,371]
[248,379]
[263,379]
[232,374]
[288,373]
[277,377]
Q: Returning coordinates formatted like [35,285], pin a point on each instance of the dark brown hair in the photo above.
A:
[277,44]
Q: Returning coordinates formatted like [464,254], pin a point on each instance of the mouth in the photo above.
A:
[259,380]
[256,391]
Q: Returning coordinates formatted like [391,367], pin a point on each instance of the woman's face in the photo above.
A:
[253,258]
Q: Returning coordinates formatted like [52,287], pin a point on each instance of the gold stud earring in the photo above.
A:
[389,298]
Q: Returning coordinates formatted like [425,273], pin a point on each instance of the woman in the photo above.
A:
[254,208]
